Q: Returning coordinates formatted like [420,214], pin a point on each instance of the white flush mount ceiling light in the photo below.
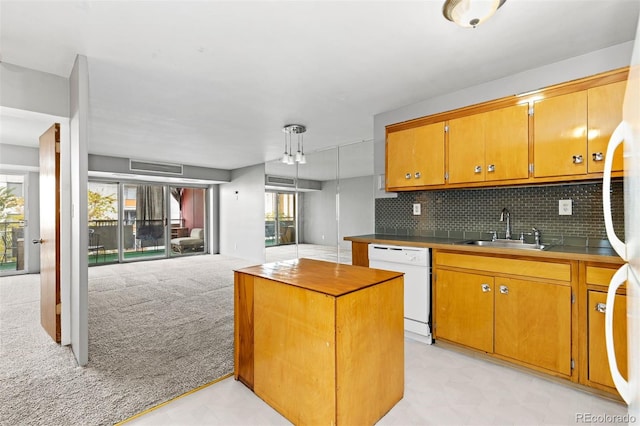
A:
[470,13]
[288,157]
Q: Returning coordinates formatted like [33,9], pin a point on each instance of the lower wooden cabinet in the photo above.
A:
[520,319]
[464,309]
[543,313]
[598,361]
[533,323]
[595,365]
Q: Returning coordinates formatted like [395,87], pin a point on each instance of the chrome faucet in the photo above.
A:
[505,215]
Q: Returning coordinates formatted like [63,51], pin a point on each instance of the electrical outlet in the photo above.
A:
[565,207]
[416,209]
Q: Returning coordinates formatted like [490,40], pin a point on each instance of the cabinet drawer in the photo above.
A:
[598,275]
[530,268]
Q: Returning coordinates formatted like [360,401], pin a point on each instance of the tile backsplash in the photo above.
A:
[472,212]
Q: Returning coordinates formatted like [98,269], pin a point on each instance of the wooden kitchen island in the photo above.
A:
[320,342]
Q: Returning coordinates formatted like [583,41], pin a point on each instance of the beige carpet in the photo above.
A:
[156,330]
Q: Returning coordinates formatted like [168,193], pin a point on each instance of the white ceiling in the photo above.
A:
[212,83]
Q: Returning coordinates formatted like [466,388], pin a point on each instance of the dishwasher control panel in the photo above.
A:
[399,254]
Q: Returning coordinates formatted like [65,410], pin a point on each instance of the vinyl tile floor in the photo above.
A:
[442,387]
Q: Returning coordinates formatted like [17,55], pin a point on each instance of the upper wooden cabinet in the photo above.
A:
[415,157]
[489,146]
[560,135]
[499,143]
[571,131]
[604,105]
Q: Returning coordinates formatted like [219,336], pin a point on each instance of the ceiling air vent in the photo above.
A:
[149,167]
[280,181]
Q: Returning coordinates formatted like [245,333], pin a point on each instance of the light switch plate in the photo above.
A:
[416,209]
[565,207]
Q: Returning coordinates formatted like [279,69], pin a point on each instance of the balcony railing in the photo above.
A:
[138,236]
[11,245]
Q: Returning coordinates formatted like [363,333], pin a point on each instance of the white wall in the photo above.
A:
[31,90]
[357,208]
[14,157]
[318,215]
[356,215]
[242,214]
[74,213]
[611,58]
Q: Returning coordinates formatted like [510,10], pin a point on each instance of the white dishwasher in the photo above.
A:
[416,265]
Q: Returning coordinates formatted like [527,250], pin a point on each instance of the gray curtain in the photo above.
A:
[149,203]
[149,214]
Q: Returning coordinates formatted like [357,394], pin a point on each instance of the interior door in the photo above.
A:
[50,231]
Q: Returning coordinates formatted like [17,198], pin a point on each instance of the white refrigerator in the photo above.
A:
[627,247]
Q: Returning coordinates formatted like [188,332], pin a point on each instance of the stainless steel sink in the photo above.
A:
[510,244]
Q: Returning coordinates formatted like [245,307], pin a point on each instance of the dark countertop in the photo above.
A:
[592,254]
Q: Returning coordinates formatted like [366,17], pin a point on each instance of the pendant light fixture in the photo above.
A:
[288,156]
[470,13]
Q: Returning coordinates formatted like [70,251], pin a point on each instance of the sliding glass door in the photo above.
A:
[280,218]
[103,222]
[188,220]
[136,221]
[12,224]
[144,221]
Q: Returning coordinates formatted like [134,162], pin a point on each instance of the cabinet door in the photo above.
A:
[464,309]
[533,323]
[429,155]
[604,114]
[560,135]
[506,143]
[415,157]
[466,149]
[598,360]
[400,152]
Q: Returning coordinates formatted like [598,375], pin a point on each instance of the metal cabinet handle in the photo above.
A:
[477,169]
[598,156]
[491,168]
[485,288]
[577,159]
[407,176]
[417,175]
[504,289]
[601,307]
[40,241]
